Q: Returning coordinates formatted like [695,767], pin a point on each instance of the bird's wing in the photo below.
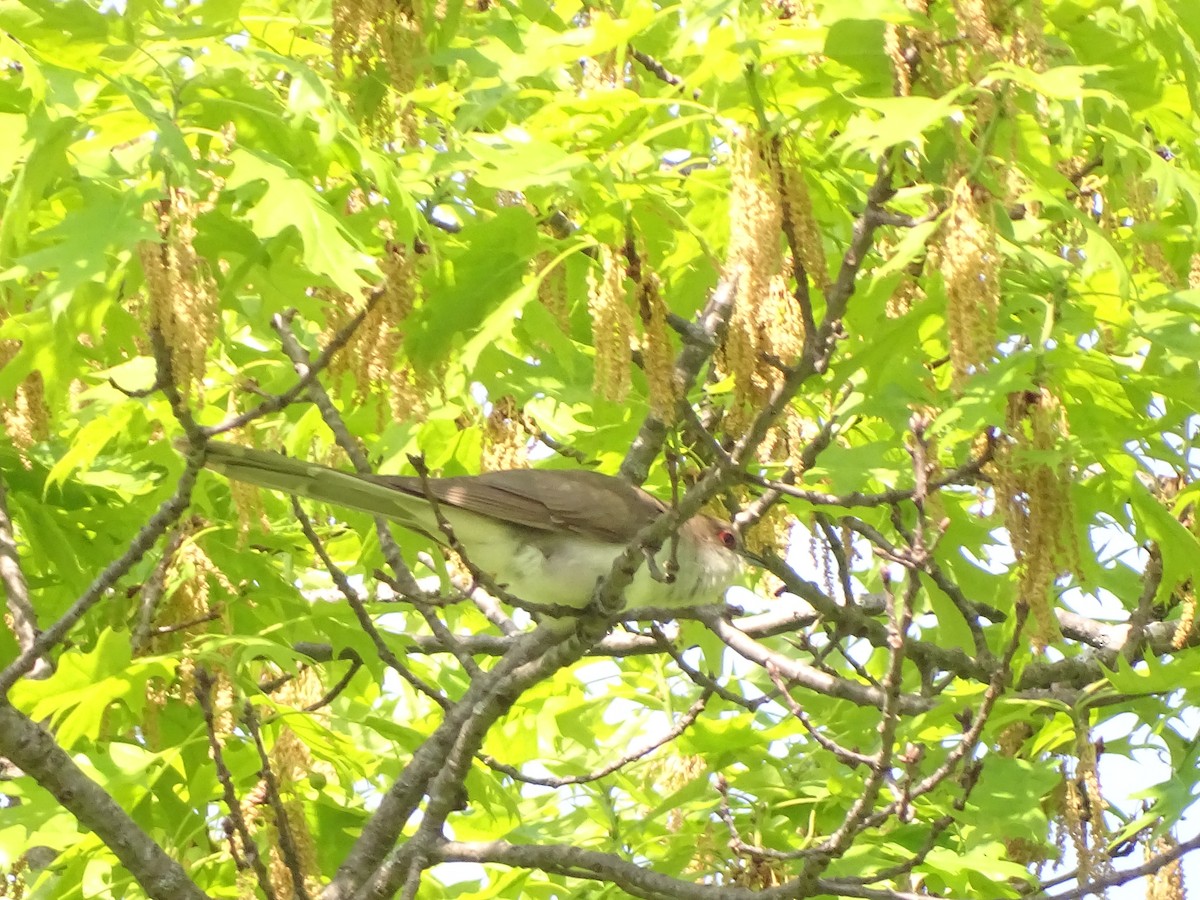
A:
[589,504]
[585,503]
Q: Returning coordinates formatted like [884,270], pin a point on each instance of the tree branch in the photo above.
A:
[250,852]
[307,378]
[360,611]
[168,513]
[398,804]
[22,616]
[391,552]
[710,328]
[805,675]
[35,751]
[681,725]
[287,843]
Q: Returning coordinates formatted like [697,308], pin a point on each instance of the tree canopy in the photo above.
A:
[908,290]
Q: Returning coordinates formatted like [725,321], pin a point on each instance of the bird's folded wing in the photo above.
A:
[588,504]
[583,503]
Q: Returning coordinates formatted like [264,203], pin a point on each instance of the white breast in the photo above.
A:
[564,570]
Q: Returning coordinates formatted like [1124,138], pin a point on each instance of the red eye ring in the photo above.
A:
[726,537]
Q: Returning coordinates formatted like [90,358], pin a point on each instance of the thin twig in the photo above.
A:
[203,691]
[493,612]
[795,242]
[900,619]
[152,592]
[277,402]
[740,845]
[21,614]
[805,460]
[658,70]
[681,725]
[407,583]
[701,679]
[805,675]
[134,393]
[165,381]
[562,449]
[342,683]
[887,550]
[283,827]
[844,755]
[1098,886]
[360,611]
[212,616]
[168,513]
[819,348]
[997,684]
[710,329]
[967,473]
[838,549]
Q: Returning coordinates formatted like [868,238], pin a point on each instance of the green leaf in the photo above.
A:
[480,284]
[281,201]
[77,696]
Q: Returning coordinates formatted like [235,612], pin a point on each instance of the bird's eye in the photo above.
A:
[726,537]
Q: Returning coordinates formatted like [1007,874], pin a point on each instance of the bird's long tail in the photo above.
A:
[267,469]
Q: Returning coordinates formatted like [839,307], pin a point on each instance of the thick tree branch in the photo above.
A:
[35,751]
[444,792]
[576,862]
[379,834]
[1097,887]
[591,865]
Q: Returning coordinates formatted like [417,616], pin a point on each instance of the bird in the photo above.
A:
[542,535]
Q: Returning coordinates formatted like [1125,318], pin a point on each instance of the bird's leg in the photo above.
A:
[672,460]
[672,566]
[480,578]
[673,558]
